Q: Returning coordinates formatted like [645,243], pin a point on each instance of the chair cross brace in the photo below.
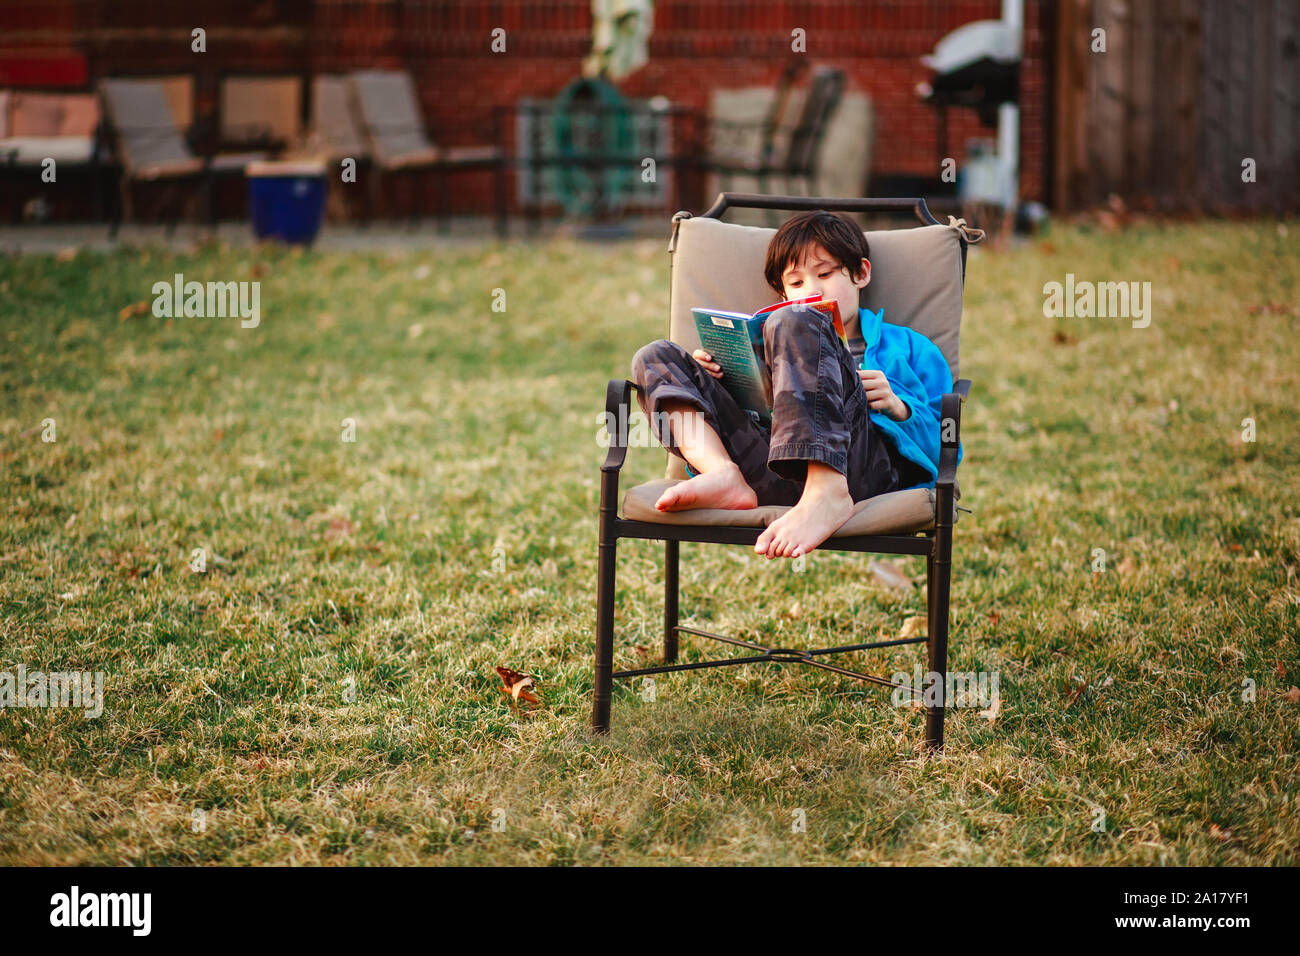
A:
[778,654]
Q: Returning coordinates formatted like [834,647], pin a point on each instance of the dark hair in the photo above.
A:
[834,232]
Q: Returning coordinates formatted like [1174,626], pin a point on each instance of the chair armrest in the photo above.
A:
[618,395]
[950,435]
[962,387]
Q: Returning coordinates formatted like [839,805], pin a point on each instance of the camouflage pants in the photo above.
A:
[819,412]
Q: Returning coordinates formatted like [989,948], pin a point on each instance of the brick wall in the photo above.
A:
[696,45]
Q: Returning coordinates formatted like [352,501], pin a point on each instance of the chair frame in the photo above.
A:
[935,544]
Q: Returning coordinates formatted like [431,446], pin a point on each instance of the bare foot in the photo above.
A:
[724,488]
[817,516]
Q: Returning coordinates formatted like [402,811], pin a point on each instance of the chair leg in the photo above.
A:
[670,601]
[607,557]
[441,197]
[499,188]
[376,190]
[938,579]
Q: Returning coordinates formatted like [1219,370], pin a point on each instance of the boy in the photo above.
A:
[847,424]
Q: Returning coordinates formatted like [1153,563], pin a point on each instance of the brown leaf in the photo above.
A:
[137,308]
[517,687]
[1222,834]
[1280,670]
[1074,691]
[1061,338]
[890,575]
[912,627]
[339,528]
[1292,696]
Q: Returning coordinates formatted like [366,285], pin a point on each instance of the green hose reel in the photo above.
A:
[590,117]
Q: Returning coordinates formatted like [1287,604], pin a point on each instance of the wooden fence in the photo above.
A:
[1185,92]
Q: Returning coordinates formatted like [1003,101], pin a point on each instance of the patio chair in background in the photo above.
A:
[334,125]
[178,91]
[798,161]
[335,134]
[62,126]
[148,144]
[389,113]
[917,277]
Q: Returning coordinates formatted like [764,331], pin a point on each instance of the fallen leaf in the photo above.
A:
[1280,670]
[795,611]
[890,575]
[339,528]
[137,308]
[912,627]
[517,686]
[1074,691]
[1222,834]
[1292,696]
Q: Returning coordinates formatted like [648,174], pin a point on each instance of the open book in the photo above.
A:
[735,341]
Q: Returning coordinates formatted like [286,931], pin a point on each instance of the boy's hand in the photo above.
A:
[880,397]
[706,360]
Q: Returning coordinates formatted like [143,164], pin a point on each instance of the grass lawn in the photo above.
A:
[324,692]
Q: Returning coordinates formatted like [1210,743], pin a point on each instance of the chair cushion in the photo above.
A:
[149,142]
[335,119]
[34,150]
[897,512]
[390,113]
[36,115]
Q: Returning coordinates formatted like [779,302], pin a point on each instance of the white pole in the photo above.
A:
[1013,15]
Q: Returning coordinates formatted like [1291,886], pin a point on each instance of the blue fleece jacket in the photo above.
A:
[919,375]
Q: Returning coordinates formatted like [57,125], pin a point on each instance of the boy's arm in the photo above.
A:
[920,387]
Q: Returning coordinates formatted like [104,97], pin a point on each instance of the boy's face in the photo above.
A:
[817,273]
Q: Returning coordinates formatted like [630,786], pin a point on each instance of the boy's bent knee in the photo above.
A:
[791,318]
[659,352]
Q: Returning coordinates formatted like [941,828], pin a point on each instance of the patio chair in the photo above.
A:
[802,150]
[918,276]
[36,125]
[335,133]
[148,143]
[334,121]
[389,112]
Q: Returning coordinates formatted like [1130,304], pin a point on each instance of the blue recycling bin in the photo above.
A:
[286,200]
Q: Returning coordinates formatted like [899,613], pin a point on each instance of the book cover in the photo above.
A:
[735,340]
